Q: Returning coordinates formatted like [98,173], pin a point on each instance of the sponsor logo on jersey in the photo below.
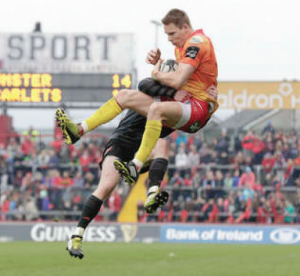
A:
[194,127]
[196,39]
[192,52]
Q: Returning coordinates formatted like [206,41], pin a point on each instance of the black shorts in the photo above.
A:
[119,149]
[127,137]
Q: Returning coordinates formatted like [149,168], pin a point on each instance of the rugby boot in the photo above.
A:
[127,170]
[155,199]
[69,129]
[74,247]
[146,166]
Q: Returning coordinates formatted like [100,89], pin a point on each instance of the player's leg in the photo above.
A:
[189,116]
[171,113]
[125,99]
[109,180]
[155,197]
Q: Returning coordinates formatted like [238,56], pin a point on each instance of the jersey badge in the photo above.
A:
[192,52]
[196,39]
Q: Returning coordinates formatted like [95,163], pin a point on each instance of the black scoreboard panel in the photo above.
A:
[92,80]
[86,94]
[55,88]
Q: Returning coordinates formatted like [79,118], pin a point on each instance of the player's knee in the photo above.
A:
[122,95]
[125,97]
[155,111]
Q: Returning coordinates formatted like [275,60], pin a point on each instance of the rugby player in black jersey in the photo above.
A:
[123,143]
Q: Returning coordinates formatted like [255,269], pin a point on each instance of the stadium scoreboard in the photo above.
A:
[55,87]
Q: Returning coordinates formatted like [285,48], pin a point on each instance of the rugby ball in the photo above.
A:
[169,65]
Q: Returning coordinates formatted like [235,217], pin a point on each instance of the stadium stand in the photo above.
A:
[251,177]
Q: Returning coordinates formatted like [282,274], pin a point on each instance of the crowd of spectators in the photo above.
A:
[38,176]
[253,177]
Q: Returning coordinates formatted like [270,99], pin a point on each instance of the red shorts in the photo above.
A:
[199,116]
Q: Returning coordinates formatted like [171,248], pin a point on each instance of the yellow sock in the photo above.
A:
[104,114]
[150,137]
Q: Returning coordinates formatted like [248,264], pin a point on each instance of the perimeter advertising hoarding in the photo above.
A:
[96,232]
[170,233]
[56,53]
[230,234]
[259,95]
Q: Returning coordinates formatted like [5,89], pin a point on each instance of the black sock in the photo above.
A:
[90,210]
[157,171]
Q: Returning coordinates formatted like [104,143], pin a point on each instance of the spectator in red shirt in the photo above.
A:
[297,160]
[210,211]
[66,180]
[268,162]
[57,143]
[247,177]
[114,203]
[4,204]
[253,144]
[92,149]
[85,160]
[247,141]
[187,181]
[27,146]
